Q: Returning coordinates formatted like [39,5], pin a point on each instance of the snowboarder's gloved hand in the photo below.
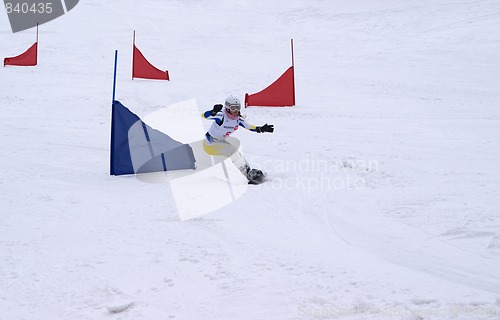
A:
[217,108]
[266,128]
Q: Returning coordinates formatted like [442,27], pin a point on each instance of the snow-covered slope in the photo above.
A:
[383,195]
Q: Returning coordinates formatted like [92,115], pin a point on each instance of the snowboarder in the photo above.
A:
[228,119]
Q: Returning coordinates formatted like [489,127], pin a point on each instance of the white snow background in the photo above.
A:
[383,194]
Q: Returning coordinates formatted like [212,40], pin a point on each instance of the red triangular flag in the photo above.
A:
[280,93]
[28,58]
[143,69]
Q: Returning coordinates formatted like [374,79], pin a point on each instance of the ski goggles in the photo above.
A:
[233,107]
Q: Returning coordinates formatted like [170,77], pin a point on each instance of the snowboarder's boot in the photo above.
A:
[255,176]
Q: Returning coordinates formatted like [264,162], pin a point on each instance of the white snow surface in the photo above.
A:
[383,194]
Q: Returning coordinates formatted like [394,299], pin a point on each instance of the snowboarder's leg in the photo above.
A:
[240,162]
[254,176]
[224,148]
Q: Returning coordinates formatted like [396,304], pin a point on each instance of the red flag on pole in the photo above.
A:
[281,93]
[141,68]
[27,58]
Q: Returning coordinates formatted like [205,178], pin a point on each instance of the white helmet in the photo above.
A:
[232,103]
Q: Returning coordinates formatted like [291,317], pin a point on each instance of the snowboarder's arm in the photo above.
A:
[247,125]
[214,114]
[254,128]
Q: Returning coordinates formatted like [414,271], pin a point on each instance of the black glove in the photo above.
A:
[266,128]
[217,108]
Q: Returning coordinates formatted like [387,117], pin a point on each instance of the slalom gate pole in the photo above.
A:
[37,45]
[133,56]
[293,67]
[114,77]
